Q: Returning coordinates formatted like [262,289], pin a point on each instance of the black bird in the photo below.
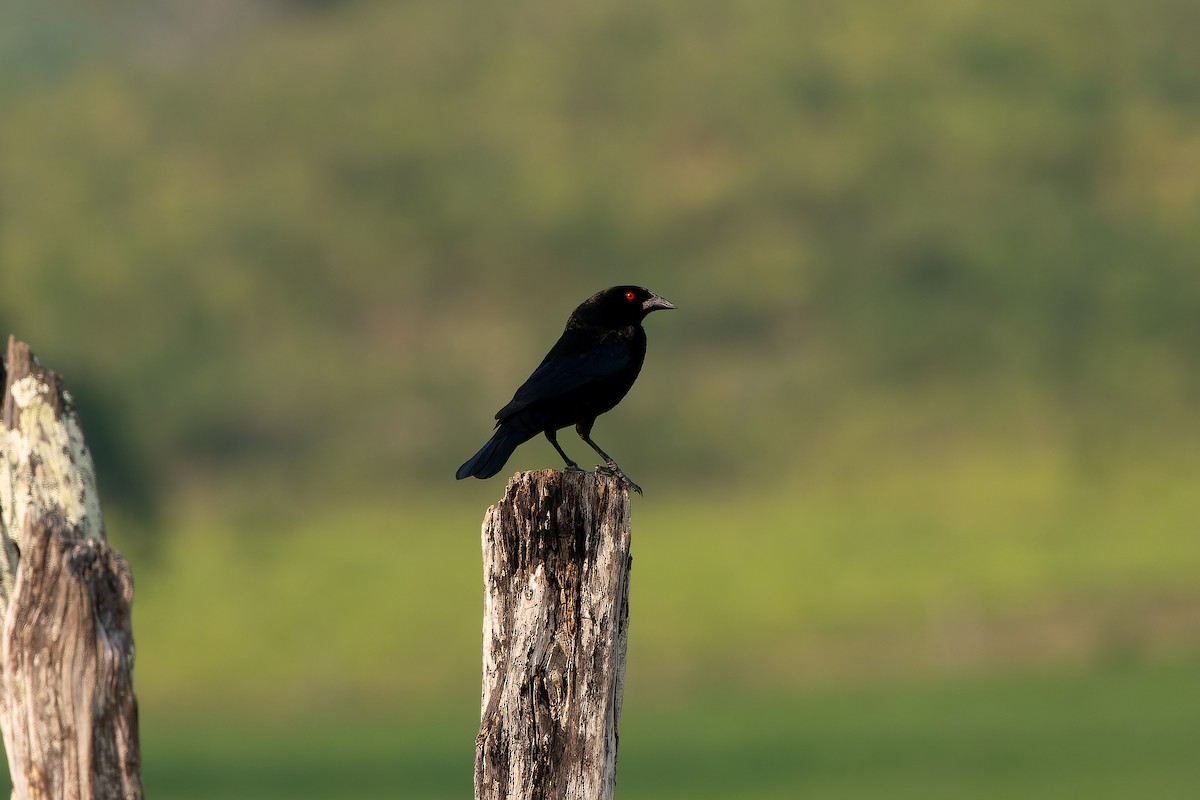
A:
[587,372]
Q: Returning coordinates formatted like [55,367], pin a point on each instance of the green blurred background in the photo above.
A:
[919,446]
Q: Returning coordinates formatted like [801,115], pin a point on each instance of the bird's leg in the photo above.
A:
[584,432]
[571,465]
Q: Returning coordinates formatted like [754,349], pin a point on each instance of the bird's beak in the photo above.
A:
[656,303]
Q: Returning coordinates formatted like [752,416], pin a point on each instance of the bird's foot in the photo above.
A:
[573,467]
[613,470]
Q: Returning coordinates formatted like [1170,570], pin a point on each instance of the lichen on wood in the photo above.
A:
[45,466]
[67,706]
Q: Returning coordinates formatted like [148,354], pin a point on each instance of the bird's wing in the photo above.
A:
[561,372]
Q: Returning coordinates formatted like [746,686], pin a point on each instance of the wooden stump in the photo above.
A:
[556,624]
[67,706]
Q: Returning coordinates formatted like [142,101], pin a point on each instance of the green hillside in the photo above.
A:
[270,237]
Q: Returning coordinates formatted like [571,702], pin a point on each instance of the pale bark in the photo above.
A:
[556,624]
[67,706]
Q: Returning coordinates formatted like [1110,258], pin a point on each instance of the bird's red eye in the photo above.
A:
[630,296]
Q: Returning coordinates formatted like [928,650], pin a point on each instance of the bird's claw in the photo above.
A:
[573,467]
[614,471]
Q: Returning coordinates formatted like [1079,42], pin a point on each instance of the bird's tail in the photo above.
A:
[492,457]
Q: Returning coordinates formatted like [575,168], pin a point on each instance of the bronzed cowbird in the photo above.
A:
[586,373]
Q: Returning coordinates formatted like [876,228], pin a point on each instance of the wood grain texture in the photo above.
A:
[556,625]
[67,706]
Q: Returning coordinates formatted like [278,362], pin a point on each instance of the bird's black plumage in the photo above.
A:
[586,373]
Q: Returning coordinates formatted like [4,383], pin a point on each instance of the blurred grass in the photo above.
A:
[1112,732]
[1099,733]
[382,600]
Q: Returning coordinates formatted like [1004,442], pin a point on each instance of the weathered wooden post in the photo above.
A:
[556,622]
[67,707]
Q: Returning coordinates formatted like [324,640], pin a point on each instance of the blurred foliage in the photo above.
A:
[337,240]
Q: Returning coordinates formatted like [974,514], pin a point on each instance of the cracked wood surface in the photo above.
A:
[67,705]
[556,624]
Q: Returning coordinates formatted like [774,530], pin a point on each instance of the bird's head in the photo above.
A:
[620,306]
